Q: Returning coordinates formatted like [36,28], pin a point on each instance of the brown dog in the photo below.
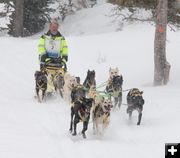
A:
[101,116]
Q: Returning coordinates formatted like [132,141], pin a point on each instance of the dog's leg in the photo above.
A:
[97,125]
[43,94]
[129,111]
[94,128]
[37,93]
[120,100]
[55,85]
[71,123]
[69,98]
[65,96]
[106,122]
[85,127]
[60,92]
[94,123]
[139,117]
[76,121]
[115,101]
[130,115]
[104,127]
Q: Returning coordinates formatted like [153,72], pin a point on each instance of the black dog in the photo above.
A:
[80,111]
[78,93]
[41,84]
[90,80]
[114,88]
[135,101]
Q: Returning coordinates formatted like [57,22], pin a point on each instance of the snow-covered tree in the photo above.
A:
[79,4]
[66,7]
[133,5]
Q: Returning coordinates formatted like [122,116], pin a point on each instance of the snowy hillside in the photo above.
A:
[32,130]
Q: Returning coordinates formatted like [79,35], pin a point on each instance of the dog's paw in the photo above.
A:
[38,99]
[74,134]
[84,135]
[138,123]
[70,130]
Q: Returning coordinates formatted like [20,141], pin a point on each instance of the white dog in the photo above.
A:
[70,83]
[113,72]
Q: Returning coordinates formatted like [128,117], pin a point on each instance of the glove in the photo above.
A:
[65,59]
[48,60]
[43,57]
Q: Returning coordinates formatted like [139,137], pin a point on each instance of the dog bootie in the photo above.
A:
[74,134]
[84,135]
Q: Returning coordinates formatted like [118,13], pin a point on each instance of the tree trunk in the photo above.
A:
[18,19]
[161,66]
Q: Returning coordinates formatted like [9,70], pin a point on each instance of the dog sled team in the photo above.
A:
[85,99]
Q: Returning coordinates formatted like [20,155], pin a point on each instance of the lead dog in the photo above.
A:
[114,86]
[80,111]
[101,116]
[100,111]
[113,72]
[135,101]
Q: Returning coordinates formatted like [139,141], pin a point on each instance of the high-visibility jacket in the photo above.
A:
[53,46]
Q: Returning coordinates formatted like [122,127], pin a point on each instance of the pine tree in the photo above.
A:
[35,15]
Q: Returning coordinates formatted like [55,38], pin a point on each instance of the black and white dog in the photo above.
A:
[80,110]
[90,80]
[41,84]
[114,88]
[135,101]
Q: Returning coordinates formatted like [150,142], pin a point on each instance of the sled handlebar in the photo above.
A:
[55,63]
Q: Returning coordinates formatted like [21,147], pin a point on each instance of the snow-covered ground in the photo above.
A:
[32,130]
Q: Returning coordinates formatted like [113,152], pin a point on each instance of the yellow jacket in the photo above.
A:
[53,46]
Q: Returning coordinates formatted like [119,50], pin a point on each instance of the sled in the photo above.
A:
[53,70]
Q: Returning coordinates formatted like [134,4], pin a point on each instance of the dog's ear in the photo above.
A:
[110,69]
[117,70]
[78,80]
[141,92]
[36,74]
[88,72]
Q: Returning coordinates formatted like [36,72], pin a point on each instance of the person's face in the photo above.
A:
[54,28]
